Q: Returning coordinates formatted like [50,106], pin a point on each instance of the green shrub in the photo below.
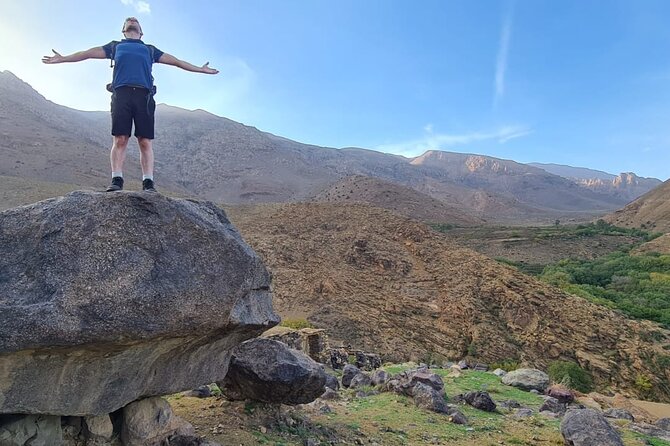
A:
[571,374]
[296,324]
[506,364]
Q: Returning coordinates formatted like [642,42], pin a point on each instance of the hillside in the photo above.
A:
[387,284]
[651,211]
[224,161]
[394,197]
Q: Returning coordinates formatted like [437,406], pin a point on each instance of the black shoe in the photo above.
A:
[148,185]
[117,184]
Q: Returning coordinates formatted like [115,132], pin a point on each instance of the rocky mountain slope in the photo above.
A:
[224,161]
[626,185]
[387,284]
[651,211]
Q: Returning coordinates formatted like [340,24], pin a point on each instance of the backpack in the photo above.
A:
[109,88]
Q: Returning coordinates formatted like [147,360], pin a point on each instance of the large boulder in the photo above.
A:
[587,427]
[268,371]
[107,298]
[527,379]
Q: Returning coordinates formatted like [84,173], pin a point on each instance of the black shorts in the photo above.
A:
[133,104]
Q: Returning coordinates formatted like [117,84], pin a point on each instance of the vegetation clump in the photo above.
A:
[570,374]
[296,324]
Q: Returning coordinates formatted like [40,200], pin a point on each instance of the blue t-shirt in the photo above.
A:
[132,62]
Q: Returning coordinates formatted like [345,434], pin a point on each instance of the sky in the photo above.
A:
[578,82]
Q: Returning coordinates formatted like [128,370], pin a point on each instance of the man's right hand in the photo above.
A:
[56,58]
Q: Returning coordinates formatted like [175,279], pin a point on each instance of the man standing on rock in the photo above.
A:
[132,90]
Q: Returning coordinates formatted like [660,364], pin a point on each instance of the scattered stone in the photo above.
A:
[534,391]
[404,382]
[427,397]
[663,423]
[150,421]
[33,430]
[562,394]
[361,379]
[463,365]
[312,442]
[620,414]
[480,367]
[523,413]
[339,358]
[527,379]
[586,427]
[367,361]
[200,392]
[509,404]
[651,430]
[552,405]
[98,308]
[549,414]
[455,372]
[330,394]
[189,440]
[499,372]
[457,417]
[348,374]
[98,427]
[332,382]
[480,400]
[365,394]
[268,371]
[380,377]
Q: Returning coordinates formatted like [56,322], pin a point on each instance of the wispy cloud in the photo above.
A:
[503,51]
[442,141]
[140,6]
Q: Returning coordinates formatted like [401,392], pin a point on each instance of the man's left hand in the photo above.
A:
[206,69]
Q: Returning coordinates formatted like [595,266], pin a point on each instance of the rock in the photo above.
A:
[107,298]
[562,394]
[457,417]
[509,404]
[367,361]
[32,430]
[426,397]
[380,377]
[480,367]
[553,405]
[404,382]
[586,427]
[268,371]
[149,422]
[348,374]
[663,423]
[98,427]
[365,394]
[527,379]
[339,358]
[534,391]
[360,380]
[523,413]
[549,414]
[463,365]
[189,440]
[480,400]
[330,394]
[200,392]
[620,414]
[651,430]
[499,372]
[332,382]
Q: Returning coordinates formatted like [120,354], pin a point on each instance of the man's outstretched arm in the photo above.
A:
[93,53]
[169,59]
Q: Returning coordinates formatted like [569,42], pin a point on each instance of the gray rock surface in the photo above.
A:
[332,382]
[348,373]
[527,379]
[587,427]
[98,427]
[619,414]
[380,377]
[361,379]
[32,430]
[663,423]
[499,372]
[105,298]
[651,430]
[480,400]
[426,397]
[150,422]
[268,371]
[553,405]
[404,382]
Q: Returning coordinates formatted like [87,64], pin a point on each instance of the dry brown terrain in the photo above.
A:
[651,211]
[391,285]
[660,245]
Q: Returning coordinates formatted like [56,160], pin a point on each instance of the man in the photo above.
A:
[132,95]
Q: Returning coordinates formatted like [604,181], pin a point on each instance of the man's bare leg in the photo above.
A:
[147,162]
[117,156]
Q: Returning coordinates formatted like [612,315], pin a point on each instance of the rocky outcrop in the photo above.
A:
[106,298]
[268,371]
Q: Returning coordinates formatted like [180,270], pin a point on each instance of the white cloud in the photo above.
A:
[501,61]
[428,128]
[442,141]
[141,7]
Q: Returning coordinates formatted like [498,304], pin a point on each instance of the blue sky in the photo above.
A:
[578,82]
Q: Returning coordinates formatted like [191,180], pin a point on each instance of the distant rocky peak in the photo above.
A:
[476,163]
[626,179]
